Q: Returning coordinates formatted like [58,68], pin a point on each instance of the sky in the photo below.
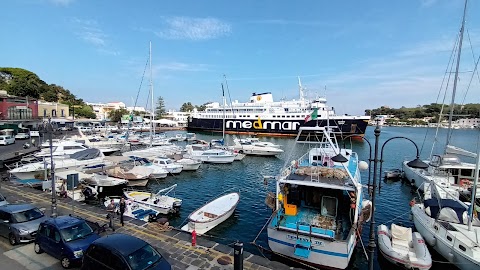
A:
[359,54]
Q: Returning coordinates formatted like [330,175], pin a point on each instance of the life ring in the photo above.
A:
[259,98]
[465,182]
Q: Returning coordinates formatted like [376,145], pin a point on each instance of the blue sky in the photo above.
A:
[365,53]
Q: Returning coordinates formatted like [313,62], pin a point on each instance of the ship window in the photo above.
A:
[462,248]
[329,206]
[449,238]
[436,227]
[466,172]
[283,116]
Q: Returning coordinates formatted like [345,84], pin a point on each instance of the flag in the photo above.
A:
[312,116]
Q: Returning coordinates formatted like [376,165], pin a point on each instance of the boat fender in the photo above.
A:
[412,202]
[450,257]
[465,183]
[194,238]
[353,200]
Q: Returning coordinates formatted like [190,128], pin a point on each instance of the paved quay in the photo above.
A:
[175,245]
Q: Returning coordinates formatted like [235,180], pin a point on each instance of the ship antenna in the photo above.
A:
[300,88]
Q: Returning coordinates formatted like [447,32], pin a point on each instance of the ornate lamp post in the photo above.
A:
[49,129]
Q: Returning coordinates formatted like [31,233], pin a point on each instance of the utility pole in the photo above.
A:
[49,129]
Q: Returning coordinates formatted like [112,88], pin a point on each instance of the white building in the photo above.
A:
[102,109]
[467,123]
[180,117]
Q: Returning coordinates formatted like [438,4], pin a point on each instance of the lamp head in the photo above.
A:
[339,158]
[417,164]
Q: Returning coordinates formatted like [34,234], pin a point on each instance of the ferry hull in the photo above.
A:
[325,253]
[277,127]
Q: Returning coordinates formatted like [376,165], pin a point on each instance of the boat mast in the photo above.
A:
[223,125]
[474,192]
[152,125]
[462,29]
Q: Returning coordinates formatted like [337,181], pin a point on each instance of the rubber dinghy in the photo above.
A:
[402,247]
[213,213]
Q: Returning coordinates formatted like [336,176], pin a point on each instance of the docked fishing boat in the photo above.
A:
[249,148]
[157,172]
[318,206]
[394,174]
[167,164]
[212,213]
[134,209]
[403,247]
[159,201]
[84,159]
[262,115]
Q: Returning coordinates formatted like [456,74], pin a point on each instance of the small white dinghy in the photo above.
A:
[402,247]
[211,214]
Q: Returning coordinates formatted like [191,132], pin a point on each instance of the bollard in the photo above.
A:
[194,238]
[238,256]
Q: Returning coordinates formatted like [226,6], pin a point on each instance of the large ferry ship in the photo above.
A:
[263,116]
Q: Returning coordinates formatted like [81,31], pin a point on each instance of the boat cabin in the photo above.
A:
[450,166]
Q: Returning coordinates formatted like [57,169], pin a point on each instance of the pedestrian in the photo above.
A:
[33,142]
[63,191]
[123,205]
[111,211]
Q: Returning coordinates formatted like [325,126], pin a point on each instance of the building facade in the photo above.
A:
[102,110]
[17,108]
[53,110]
[180,117]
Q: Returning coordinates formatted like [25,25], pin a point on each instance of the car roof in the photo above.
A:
[62,222]
[15,208]
[122,243]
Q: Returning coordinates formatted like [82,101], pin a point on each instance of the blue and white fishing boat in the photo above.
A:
[319,209]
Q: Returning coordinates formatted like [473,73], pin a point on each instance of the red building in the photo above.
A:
[17,108]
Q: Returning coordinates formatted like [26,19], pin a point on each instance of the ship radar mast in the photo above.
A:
[300,89]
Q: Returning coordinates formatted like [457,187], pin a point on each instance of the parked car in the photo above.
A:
[19,222]
[65,238]
[121,251]
[6,139]
[3,200]
[66,128]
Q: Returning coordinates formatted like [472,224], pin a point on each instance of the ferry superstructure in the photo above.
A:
[261,115]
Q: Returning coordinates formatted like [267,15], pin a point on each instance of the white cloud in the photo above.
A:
[292,22]
[90,32]
[62,2]
[194,28]
[178,66]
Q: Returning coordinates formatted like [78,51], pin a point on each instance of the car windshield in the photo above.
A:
[143,258]
[77,231]
[27,215]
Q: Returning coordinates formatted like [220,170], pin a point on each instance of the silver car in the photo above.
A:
[19,222]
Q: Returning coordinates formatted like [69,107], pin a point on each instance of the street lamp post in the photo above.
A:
[49,129]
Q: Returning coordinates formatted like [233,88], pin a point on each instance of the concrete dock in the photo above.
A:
[173,244]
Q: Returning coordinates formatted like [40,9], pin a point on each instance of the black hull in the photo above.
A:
[274,127]
[107,191]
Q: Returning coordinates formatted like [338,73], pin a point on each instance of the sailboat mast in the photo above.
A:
[223,125]
[474,192]
[152,125]
[462,29]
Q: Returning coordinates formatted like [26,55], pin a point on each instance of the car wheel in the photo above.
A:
[12,239]
[37,248]
[65,262]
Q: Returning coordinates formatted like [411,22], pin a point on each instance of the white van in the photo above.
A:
[6,140]
[23,133]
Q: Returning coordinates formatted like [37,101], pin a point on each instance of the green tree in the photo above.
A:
[160,108]
[86,112]
[187,107]
[116,115]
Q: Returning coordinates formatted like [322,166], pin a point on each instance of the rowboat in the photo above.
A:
[212,213]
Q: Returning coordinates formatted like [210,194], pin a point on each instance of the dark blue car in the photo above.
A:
[65,238]
[122,251]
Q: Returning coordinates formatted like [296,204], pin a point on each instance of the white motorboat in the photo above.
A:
[167,164]
[60,148]
[402,247]
[210,155]
[88,158]
[134,209]
[189,164]
[157,172]
[159,201]
[394,174]
[249,148]
[213,213]
[137,176]
[256,141]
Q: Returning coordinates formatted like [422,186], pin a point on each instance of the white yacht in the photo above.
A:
[249,148]
[214,155]
[60,148]
[85,159]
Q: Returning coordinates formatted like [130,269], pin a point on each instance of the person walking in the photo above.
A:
[123,205]
[111,211]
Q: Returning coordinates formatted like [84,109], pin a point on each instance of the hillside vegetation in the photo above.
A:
[24,83]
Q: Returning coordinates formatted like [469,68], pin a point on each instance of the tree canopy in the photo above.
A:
[24,83]
[160,108]
[188,107]
[116,115]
